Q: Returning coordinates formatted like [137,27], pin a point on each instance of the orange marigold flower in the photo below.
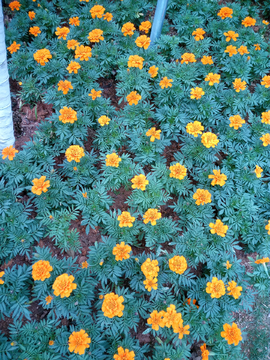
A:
[128,29]
[124,354]
[68,115]
[207,60]
[62,32]
[78,342]
[248,21]
[40,185]
[265,139]
[133,98]
[71,44]
[74,152]
[108,16]
[225,12]
[143,41]
[121,251]
[150,268]
[104,120]
[139,182]
[145,26]
[155,134]
[198,34]
[258,171]
[112,305]
[193,302]
[14,47]
[63,285]
[196,93]
[257,47]
[243,50]
[95,35]
[151,216]
[156,319]
[9,152]
[265,22]
[48,299]
[212,78]
[170,316]
[231,333]
[153,71]
[113,160]
[231,35]
[182,330]
[97,11]
[14,5]
[51,342]
[2,273]
[218,228]
[228,265]
[209,139]
[75,168]
[74,21]
[178,171]
[85,265]
[202,197]
[41,270]
[64,86]
[263,260]
[95,94]
[266,81]
[42,56]
[232,50]
[234,290]
[73,67]
[151,283]
[194,128]
[135,61]
[34,30]
[125,219]
[83,52]
[267,227]
[216,288]
[178,264]
[205,352]
[218,178]
[188,58]
[165,82]
[84,195]
[236,121]
[31,15]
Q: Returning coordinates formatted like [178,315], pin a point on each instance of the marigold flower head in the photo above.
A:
[112,305]
[156,319]
[135,61]
[170,316]
[51,342]
[133,98]
[257,47]
[234,290]
[266,81]
[216,288]
[139,182]
[95,35]
[218,178]
[178,171]
[83,52]
[150,268]
[232,50]
[74,21]
[62,32]
[104,120]
[71,44]
[14,47]
[267,227]
[9,152]
[218,228]
[143,41]
[73,67]
[121,251]
[84,265]
[84,195]
[95,94]
[74,152]
[182,330]
[265,139]
[231,333]
[31,15]
[145,26]
[188,58]
[193,302]
[48,299]
[64,86]
[126,219]
[2,273]
[40,185]
[212,78]
[14,5]
[63,285]
[153,71]
[225,12]
[78,342]
[34,30]
[194,128]
[236,121]
[231,35]
[202,197]
[228,265]
[196,93]
[265,22]
[41,270]
[205,352]
[207,60]
[155,134]
[178,264]
[42,56]
[209,139]
[151,283]
[248,21]
[151,215]
[108,16]
[198,34]
[264,260]
[258,171]
[68,115]
[124,354]
[243,50]
[128,29]
[165,82]
[113,160]
[97,11]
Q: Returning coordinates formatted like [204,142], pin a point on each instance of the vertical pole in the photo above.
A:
[158,20]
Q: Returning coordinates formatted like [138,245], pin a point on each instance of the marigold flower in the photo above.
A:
[165,82]
[232,50]
[267,227]
[225,12]
[209,139]
[145,26]
[74,21]
[207,60]
[63,285]
[104,120]
[73,67]
[266,81]
[128,29]
[85,265]
[2,273]
[228,265]
[124,354]
[151,283]
[9,152]
[135,61]
[14,5]
[95,94]
[178,171]
[34,30]
[183,330]
[68,115]
[153,71]
[78,342]
[263,260]
[202,197]
[74,152]
[234,290]
[75,168]
[133,98]
[170,316]
[97,11]
[150,268]
[178,264]
[42,56]
[243,50]
[40,185]
[84,195]
[48,299]
[231,35]
[257,47]
[205,352]
[112,305]
[231,333]
[212,78]
[258,170]
[194,128]
[216,288]
[108,16]
[193,302]
[71,44]
[83,52]
[198,34]
[218,178]
[125,219]
[14,47]
[178,322]
[196,93]
[95,35]
[31,15]
[113,160]
[51,342]
[265,22]
[64,86]
[156,319]
[143,41]
[62,32]
[155,134]
[248,21]
[139,182]
[265,139]
[151,216]
[41,270]
[236,121]
[121,251]
[188,58]
[218,228]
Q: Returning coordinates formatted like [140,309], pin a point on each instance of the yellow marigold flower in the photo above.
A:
[83,52]
[205,352]
[248,21]
[236,121]
[156,319]
[188,58]
[78,342]
[51,342]
[151,283]
[231,35]
[228,265]
[128,29]
[151,216]
[178,322]
[257,47]
[95,35]
[196,93]
[73,67]
[74,21]
[68,115]
[150,268]
[14,5]
[41,270]
[212,78]
[202,197]
[155,134]
[264,260]
[40,185]
[139,182]
[74,152]
[232,50]
[265,22]
[258,171]
[14,47]
[218,178]
[2,273]
[85,265]
[143,41]
[121,251]
[63,285]
[112,305]
[97,11]
[265,139]
[65,86]
[225,12]
[231,333]
[9,152]
[218,228]
[71,44]
[165,82]
[34,30]
[124,354]
[62,32]
[207,60]
[48,299]
[31,15]
[20,83]
[145,26]
[198,34]
[42,56]
[75,168]
[95,94]
[101,263]
[267,227]
[170,316]
[194,128]
[153,71]
[216,288]
[135,61]
[113,160]
[178,264]
[126,219]
[243,50]
[183,330]
[108,16]
[133,98]
[234,290]
[266,81]
[104,120]
[178,171]
[209,139]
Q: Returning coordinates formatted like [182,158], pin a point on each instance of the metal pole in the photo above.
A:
[158,20]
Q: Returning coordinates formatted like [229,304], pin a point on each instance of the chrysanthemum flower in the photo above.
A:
[48,299]
[71,44]
[14,5]
[74,152]
[207,60]
[212,78]
[231,333]
[73,67]
[196,93]
[34,30]
[231,35]
[198,34]
[139,182]
[40,185]
[205,352]
[165,82]
[218,228]
[156,320]
[14,47]
[113,160]
[74,21]
[218,178]
[2,273]
[42,56]
[133,98]
[236,121]
[112,305]
[68,115]
[231,50]
[9,152]
[145,26]
[31,15]
[83,52]
[150,268]
[155,134]
[216,288]
[63,285]
[95,35]
[121,251]
[188,58]
[97,11]
[108,16]
[153,71]
[234,290]
[95,94]
[194,128]
[209,139]
[258,171]
[265,139]
[225,12]
[41,270]
[151,283]
[62,32]
[178,171]
[124,354]
[126,219]
[178,264]
[128,29]
[135,61]
[64,86]
[266,81]
[78,342]
[202,197]
[263,260]
[248,21]
[143,41]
